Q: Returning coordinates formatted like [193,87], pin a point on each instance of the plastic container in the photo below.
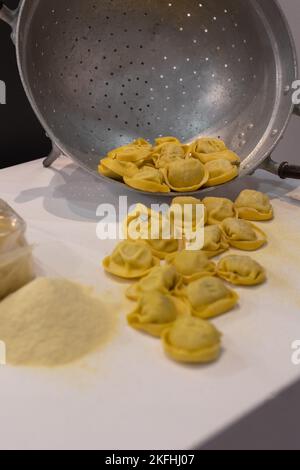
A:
[16,263]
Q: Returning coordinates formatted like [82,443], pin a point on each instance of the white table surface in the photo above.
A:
[130,395]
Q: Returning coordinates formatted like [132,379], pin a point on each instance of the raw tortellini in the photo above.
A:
[154,229]
[207,145]
[218,209]
[214,241]
[130,260]
[192,340]
[139,150]
[220,172]
[241,270]
[253,205]
[164,279]
[121,169]
[243,235]
[167,153]
[209,297]
[186,175]
[192,265]
[155,312]
[188,214]
[171,165]
[147,179]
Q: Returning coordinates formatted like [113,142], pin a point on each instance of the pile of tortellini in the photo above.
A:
[170,165]
[176,290]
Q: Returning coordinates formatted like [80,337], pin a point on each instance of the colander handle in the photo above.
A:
[283,170]
[9,16]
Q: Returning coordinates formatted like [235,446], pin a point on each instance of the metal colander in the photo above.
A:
[100,73]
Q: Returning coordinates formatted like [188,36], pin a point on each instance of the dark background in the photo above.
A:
[22,137]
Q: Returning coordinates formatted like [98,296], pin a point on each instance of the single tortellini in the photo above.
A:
[103,170]
[155,312]
[241,270]
[163,279]
[167,153]
[148,179]
[214,241]
[166,140]
[192,265]
[243,235]
[220,172]
[185,175]
[227,154]
[207,145]
[120,168]
[192,212]
[192,340]
[209,297]
[152,227]
[130,260]
[139,150]
[253,205]
[218,209]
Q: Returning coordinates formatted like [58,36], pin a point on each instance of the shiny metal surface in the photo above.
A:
[101,73]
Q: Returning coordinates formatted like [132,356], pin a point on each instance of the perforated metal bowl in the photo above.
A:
[102,73]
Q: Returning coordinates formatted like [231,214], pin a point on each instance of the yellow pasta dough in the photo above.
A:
[241,270]
[209,297]
[155,312]
[139,150]
[167,153]
[192,265]
[189,215]
[220,172]
[154,229]
[228,155]
[162,279]
[253,205]
[186,175]
[148,179]
[120,168]
[214,241]
[192,340]
[218,209]
[207,145]
[243,235]
[130,260]
[166,140]
[103,170]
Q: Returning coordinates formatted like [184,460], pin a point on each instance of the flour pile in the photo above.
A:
[53,322]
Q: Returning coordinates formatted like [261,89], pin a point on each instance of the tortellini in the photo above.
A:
[243,235]
[207,145]
[130,260]
[154,229]
[253,205]
[139,150]
[241,270]
[120,168]
[148,179]
[167,153]
[155,312]
[192,265]
[192,340]
[171,165]
[218,209]
[163,279]
[220,172]
[209,297]
[187,214]
[186,175]
[214,241]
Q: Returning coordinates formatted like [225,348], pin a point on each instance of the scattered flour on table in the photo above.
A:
[54,322]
